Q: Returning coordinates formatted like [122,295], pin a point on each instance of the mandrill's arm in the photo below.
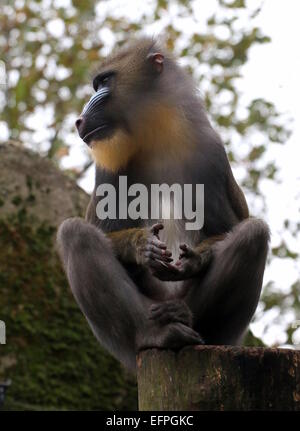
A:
[139,245]
[134,245]
[143,247]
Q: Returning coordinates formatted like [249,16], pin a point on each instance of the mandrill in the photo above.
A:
[144,282]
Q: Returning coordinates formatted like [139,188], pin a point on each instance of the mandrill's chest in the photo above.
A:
[136,198]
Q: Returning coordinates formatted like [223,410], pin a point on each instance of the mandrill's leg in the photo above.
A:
[224,300]
[111,302]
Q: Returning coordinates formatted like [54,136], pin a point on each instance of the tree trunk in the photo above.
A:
[214,378]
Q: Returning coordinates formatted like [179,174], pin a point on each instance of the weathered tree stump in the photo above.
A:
[213,378]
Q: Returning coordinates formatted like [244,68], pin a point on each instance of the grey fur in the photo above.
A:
[127,307]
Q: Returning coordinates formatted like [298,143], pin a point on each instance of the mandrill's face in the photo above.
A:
[122,87]
[96,122]
[130,108]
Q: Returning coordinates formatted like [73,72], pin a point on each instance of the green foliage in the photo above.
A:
[251,340]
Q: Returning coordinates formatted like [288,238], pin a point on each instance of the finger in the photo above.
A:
[170,267]
[162,270]
[156,228]
[154,307]
[161,253]
[152,255]
[194,339]
[154,249]
[155,241]
[192,335]
[186,251]
[165,306]
[157,265]
[156,314]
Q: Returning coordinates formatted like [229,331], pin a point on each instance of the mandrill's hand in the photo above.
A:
[191,263]
[151,250]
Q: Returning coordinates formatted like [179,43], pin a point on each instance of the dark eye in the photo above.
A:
[102,81]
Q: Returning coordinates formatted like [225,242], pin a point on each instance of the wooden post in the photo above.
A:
[216,378]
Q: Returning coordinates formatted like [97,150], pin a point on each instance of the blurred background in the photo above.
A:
[245,58]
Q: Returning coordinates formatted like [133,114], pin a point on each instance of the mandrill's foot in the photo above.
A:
[170,312]
[172,336]
[171,326]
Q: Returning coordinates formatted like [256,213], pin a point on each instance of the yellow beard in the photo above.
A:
[115,152]
[162,131]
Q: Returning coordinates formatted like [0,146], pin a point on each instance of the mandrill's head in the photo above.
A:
[142,101]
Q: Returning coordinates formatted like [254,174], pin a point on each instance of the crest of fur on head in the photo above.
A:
[152,97]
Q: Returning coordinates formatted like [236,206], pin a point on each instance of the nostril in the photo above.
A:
[78,122]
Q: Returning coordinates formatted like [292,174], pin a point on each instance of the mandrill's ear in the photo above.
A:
[157,61]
